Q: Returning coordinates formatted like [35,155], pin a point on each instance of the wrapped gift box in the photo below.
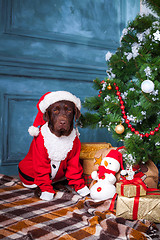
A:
[146,207]
[87,153]
[130,190]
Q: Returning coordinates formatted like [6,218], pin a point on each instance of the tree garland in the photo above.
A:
[127,121]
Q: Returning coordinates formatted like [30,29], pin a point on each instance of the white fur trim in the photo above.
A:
[57,147]
[33,131]
[47,196]
[53,97]
[84,191]
[29,186]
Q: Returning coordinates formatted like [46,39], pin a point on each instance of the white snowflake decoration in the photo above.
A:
[157,35]
[108,56]
[147,70]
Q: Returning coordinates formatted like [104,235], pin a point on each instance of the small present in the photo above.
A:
[87,153]
[146,207]
[131,188]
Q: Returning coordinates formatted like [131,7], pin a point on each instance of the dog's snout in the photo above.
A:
[62,122]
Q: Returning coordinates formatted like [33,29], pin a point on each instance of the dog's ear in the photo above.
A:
[77,114]
[46,116]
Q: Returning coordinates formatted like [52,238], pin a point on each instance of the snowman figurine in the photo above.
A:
[104,188]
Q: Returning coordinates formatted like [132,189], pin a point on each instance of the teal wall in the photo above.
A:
[47,46]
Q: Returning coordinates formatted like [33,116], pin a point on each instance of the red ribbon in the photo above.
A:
[153,191]
[150,191]
[135,208]
[113,202]
[137,182]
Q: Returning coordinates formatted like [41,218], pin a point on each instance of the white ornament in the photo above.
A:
[147,86]
[130,173]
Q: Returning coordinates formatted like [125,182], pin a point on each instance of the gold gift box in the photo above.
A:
[130,190]
[148,208]
[87,153]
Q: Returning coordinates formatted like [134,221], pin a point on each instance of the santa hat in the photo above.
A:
[116,155]
[45,101]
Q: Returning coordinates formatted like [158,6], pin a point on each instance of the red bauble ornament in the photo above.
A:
[129,125]
[123,112]
[121,102]
[156,129]
[102,81]
[147,134]
[122,107]
[118,93]
[127,121]
[114,84]
[120,98]
[99,95]
[136,132]
[159,125]
[117,88]
[152,133]
[132,129]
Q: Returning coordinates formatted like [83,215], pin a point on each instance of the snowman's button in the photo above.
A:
[54,166]
[99,189]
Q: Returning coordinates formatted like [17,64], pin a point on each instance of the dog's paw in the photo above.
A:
[47,196]
[84,191]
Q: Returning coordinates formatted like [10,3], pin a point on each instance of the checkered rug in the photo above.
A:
[67,216]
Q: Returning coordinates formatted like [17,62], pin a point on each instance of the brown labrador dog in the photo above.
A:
[60,117]
[58,135]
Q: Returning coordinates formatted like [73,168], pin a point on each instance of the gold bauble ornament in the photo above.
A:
[119,129]
[109,87]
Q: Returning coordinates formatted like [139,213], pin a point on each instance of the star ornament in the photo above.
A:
[98,160]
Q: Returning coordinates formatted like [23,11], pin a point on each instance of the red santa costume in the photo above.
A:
[50,158]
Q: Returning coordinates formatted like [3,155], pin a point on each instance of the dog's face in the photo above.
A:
[60,117]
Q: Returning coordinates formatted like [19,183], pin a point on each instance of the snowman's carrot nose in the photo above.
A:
[105,163]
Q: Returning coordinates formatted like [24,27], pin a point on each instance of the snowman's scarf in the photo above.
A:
[102,170]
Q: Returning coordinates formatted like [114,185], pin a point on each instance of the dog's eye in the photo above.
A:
[68,110]
[56,111]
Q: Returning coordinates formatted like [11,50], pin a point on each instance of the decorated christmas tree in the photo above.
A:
[128,99]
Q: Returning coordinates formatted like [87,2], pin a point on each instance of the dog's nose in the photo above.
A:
[62,122]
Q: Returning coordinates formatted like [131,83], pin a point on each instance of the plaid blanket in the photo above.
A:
[68,216]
